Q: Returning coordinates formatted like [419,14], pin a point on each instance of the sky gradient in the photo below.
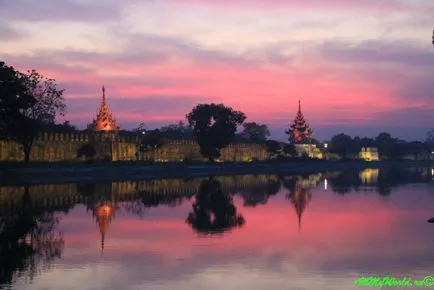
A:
[361,67]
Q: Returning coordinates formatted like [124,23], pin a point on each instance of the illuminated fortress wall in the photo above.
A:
[54,147]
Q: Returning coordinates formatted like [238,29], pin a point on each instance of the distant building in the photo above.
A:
[104,119]
[300,134]
[369,154]
[308,149]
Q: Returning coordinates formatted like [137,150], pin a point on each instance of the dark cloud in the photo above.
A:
[8,32]
[408,117]
[142,50]
[45,61]
[183,49]
[403,67]
[401,53]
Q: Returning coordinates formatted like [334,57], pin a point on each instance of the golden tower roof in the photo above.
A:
[299,129]
[104,119]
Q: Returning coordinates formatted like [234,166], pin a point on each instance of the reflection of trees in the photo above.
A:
[147,200]
[27,240]
[261,194]
[213,211]
[345,182]
[383,183]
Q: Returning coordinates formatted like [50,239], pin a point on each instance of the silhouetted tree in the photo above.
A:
[177,130]
[417,149]
[274,148]
[341,144]
[214,127]
[386,145]
[142,128]
[289,150]
[13,98]
[64,127]
[255,132]
[213,211]
[430,139]
[47,103]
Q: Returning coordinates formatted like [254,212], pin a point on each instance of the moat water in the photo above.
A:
[317,231]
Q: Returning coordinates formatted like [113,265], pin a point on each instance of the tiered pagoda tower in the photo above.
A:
[104,119]
[299,131]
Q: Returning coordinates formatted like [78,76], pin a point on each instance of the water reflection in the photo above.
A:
[213,211]
[300,194]
[28,240]
[381,181]
[145,231]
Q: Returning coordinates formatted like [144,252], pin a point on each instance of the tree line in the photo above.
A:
[388,146]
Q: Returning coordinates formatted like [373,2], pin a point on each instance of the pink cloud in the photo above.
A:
[305,5]
[334,85]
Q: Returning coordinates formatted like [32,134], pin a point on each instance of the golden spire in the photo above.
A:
[299,130]
[104,119]
[103,95]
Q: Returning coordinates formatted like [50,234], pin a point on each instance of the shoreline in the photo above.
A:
[37,174]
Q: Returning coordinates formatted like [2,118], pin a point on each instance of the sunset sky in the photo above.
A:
[358,66]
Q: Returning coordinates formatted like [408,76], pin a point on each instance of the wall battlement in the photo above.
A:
[55,147]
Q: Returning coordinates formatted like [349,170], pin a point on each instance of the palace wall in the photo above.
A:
[55,147]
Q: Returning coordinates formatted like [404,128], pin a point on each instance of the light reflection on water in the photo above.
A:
[236,232]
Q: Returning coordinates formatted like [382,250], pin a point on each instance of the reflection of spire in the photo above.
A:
[300,198]
[104,214]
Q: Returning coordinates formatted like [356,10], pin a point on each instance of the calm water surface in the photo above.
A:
[319,231]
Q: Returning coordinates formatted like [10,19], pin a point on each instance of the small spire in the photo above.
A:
[103,93]
[299,105]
